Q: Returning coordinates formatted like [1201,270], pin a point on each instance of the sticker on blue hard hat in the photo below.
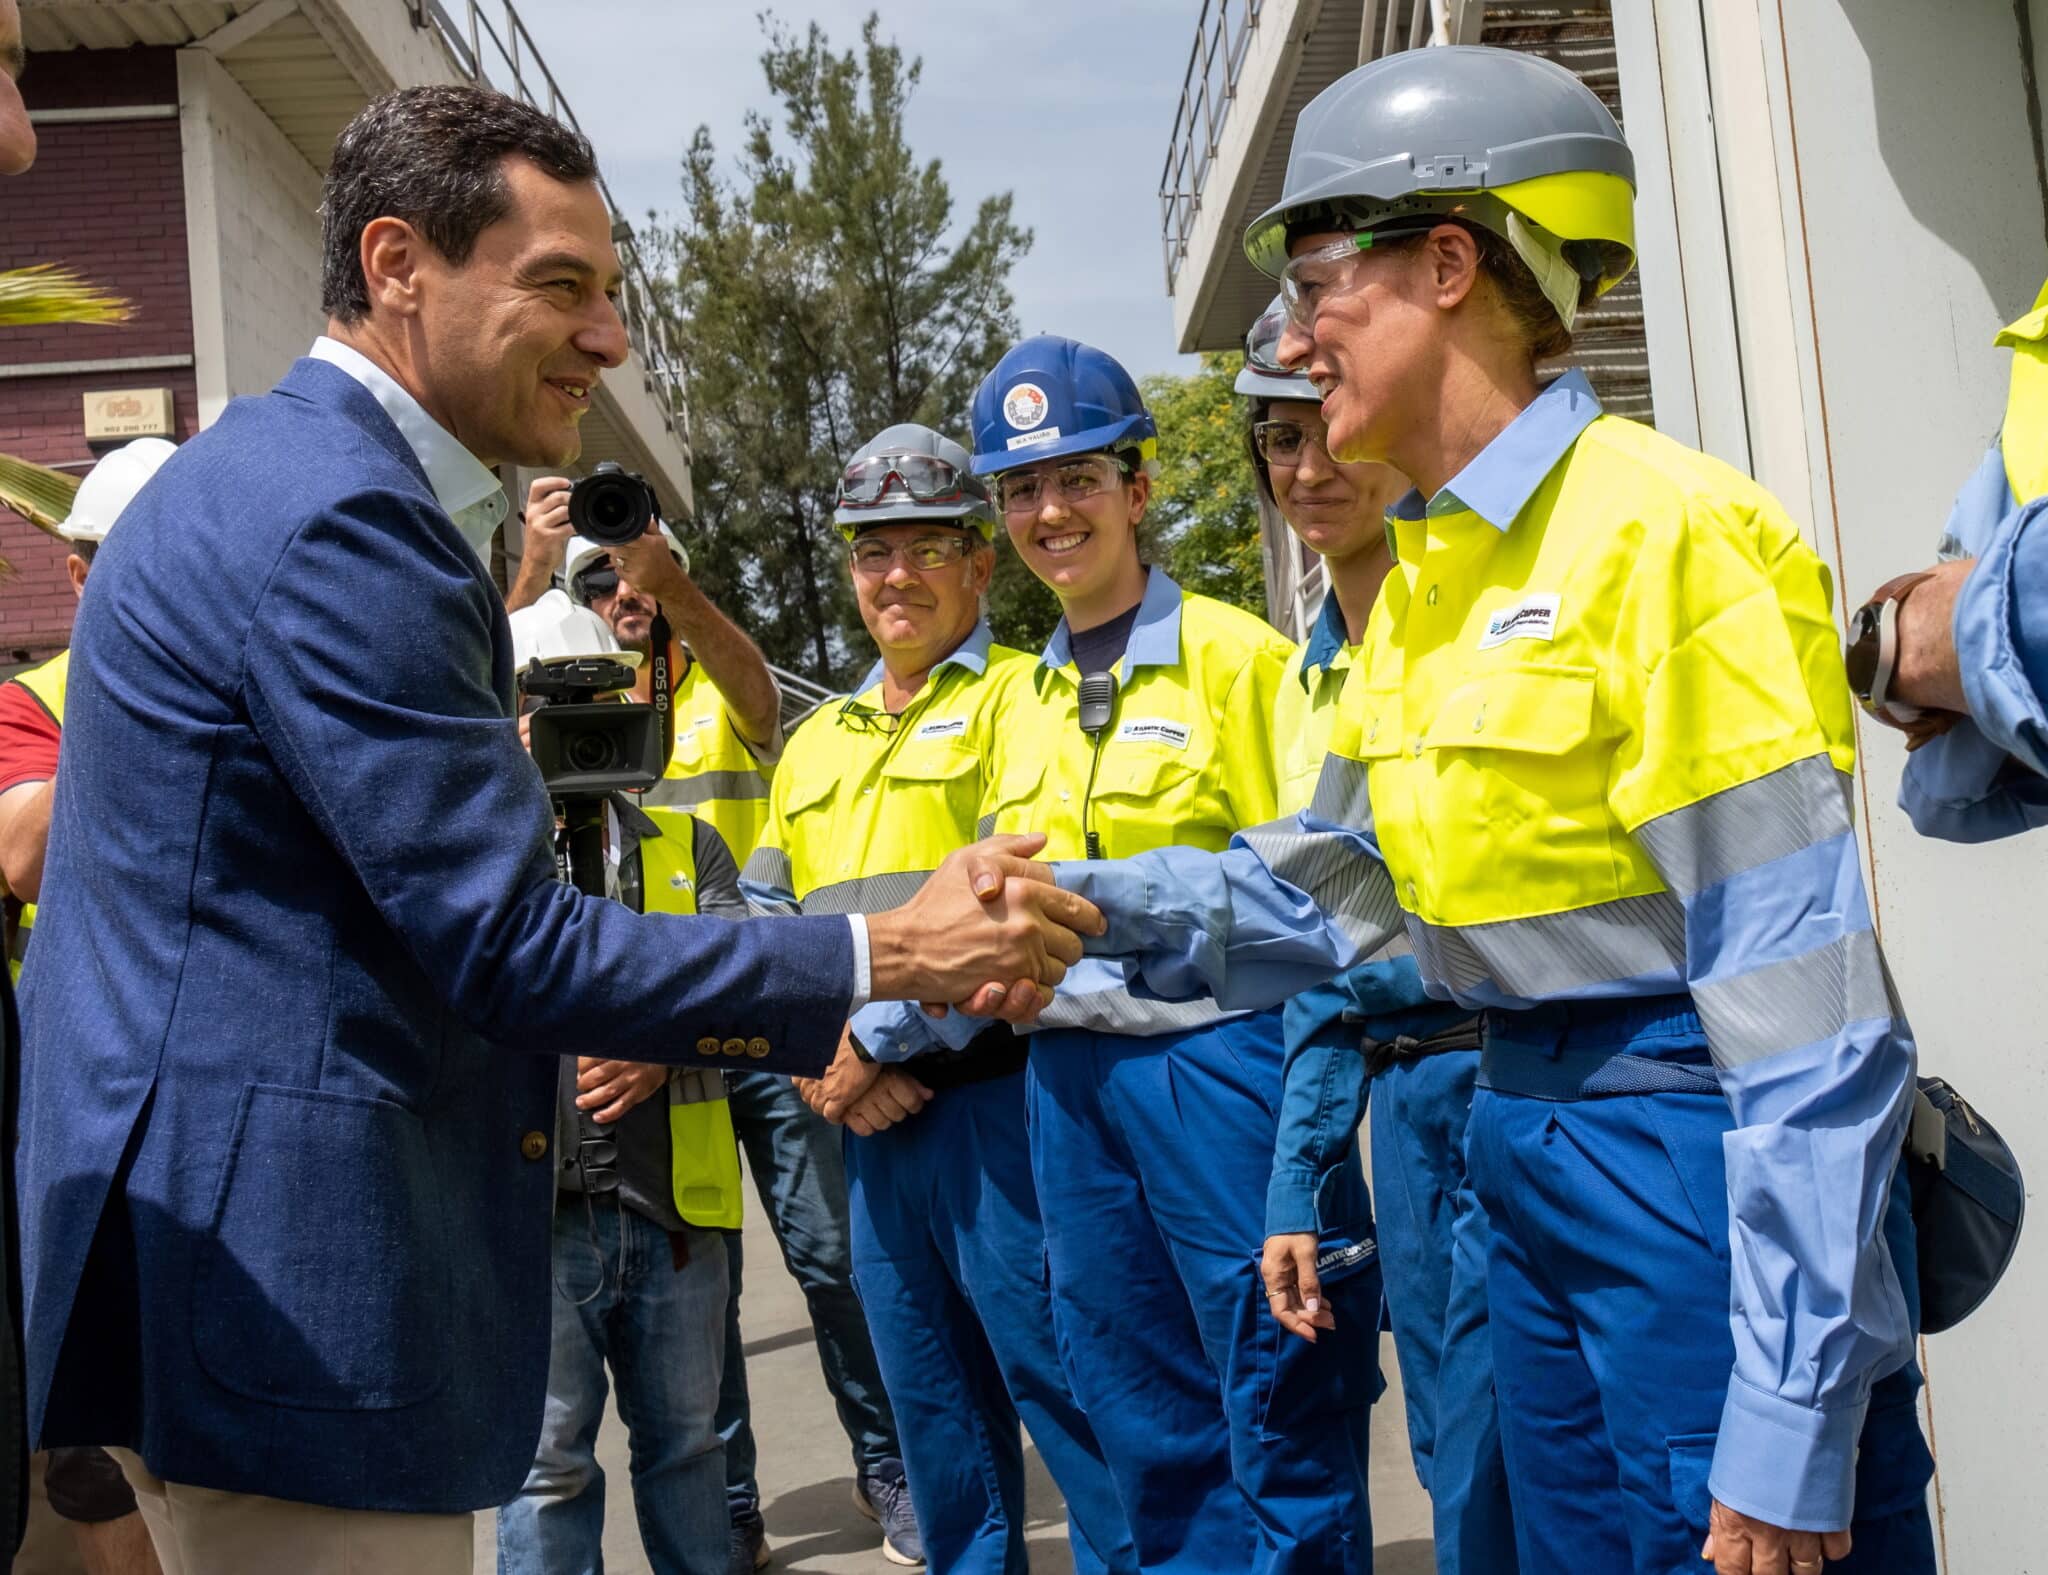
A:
[1033,439]
[1025,406]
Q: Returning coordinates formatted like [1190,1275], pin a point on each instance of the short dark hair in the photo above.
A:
[434,157]
[84,549]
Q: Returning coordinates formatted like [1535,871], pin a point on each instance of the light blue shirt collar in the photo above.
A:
[971,653]
[1504,475]
[1155,634]
[469,493]
[1325,640]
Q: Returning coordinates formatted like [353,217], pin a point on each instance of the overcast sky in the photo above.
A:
[1066,103]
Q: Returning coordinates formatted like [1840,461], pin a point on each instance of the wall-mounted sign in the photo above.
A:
[117,414]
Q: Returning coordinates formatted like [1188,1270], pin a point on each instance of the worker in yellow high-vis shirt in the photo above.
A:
[1593,759]
[871,794]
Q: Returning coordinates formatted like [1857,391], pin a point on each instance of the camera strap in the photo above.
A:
[663,685]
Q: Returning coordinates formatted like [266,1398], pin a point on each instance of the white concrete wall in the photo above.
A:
[1833,248]
[252,223]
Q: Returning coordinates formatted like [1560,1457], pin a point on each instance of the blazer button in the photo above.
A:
[757,1047]
[735,1047]
[534,1145]
[708,1045]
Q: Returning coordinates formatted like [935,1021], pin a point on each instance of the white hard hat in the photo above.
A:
[111,485]
[581,547]
[555,627]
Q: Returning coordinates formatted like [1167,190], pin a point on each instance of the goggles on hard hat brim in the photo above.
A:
[925,477]
[1262,376]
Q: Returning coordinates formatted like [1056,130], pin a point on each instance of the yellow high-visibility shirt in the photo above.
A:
[865,805]
[712,772]
[2024,436]
[1187,756]
[1305,705]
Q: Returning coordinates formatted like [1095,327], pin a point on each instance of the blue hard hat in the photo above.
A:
[1050,397]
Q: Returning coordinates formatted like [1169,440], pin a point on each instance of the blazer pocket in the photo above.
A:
[323,1281]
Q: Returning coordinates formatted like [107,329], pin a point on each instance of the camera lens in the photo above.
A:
[611,506]
[592,752]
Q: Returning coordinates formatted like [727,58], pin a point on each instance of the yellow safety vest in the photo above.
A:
[47,683]
[1304,708]
[1647,631]
[704,1152]
[2024,436]
[864,806]
[1187,758]
[711,772]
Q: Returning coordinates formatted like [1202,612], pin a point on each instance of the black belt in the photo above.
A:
[1382,1054]
[997,1051]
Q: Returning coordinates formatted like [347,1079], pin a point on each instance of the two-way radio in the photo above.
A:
[1098,705]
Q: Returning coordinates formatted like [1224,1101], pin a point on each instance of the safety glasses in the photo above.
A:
[1262,343]
[858,718]
[925,477]
[1309,278]
[872,555]
[1076,481]
[1282,443]
[595,581]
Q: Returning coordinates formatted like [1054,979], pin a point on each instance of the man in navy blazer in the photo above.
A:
[284,1163]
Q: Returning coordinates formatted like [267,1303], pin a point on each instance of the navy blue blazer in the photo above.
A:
[299,980]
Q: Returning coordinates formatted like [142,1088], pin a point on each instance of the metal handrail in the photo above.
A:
[471,44]
[1222,39]
[800,697]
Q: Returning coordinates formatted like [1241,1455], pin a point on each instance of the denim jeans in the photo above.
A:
[799,1172]
[658,1327]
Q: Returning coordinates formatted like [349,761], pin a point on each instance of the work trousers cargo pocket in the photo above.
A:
[322,1282]
[1341,1371]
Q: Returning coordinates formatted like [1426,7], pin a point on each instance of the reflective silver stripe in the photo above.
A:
[1802,1000]
[769,867]
[1341,797]
[696,1085]
[1351,887]
[1114,1012]
[984,828]
[1557,954]
[682,792]
[866,893]
[1792,809]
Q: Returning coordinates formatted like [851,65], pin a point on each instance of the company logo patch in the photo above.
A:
[1532,619]
[1033,439]
[1155,730]
[1024,406]
[1345,1257]
[952,727]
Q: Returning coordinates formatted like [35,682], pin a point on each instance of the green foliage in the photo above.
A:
[1204,519]
[822,293]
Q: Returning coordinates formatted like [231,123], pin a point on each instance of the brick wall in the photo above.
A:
[106,198]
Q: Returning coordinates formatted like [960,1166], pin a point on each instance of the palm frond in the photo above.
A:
[40,495]
[46,293]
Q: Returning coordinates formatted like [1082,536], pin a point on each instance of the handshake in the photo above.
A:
[989,934]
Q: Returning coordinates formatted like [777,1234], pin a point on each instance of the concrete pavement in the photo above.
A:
[807,1469]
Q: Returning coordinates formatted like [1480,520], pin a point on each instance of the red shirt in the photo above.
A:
[28,738]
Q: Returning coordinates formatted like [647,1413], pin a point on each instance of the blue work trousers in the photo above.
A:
[794,1156]
[1433,1238]
[1608,1285]
[949,1255]
[1234,1446]
[628,1296]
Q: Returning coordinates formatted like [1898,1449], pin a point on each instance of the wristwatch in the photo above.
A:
[1872,655]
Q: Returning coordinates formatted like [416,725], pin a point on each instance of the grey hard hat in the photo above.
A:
[1263,376]
[935,481]
[1460,129]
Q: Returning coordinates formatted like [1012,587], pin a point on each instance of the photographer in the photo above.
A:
[645,1185]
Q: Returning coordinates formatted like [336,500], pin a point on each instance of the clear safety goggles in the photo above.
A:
[1282,443]
[1074,481]
[1262,343]
[1308,279]
[872,555]
[925,477]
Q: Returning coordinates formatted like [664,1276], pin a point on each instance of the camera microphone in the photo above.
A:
[1098,702]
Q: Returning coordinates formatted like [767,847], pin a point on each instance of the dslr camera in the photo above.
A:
[612,506]
[585,744]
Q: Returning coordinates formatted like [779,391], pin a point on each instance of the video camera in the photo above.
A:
[612,506]
[586,745]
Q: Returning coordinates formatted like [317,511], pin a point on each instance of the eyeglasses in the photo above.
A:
[1078,480]
[1307,278]
[871,555]
[1281,442]
[858,718]
[925,477]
